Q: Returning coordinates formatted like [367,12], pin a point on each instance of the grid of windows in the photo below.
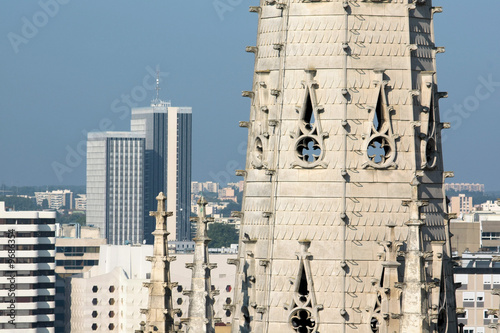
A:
[77,251]
[28,221]
[490,235]
[42,272]
[29,247]
[76,264]
[125,181]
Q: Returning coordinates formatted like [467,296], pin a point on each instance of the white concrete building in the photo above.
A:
[464,187]
[478,276]
[239,185]
[111,294]
[27,278]
[491,206]
[197,187]
[77,255]
[55,199]
[81,202]
[213,208]
[77,251]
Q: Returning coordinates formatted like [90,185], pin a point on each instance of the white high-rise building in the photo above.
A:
[115,185]
[27,277]
[167,130]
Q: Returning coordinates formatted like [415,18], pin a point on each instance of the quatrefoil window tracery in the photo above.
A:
[308,149]
[379,150]
[302,321]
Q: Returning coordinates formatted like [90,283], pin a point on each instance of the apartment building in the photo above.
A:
[27,277]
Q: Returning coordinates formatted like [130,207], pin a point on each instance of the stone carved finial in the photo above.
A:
[200,313]
[160,213]
[160,310]
[414,280]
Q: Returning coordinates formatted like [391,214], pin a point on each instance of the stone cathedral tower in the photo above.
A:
[344,222]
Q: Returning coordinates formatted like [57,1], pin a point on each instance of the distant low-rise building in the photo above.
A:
[55,199]
[491,206]
[213,208]
[227,193]
[464,187]
[197,187]
[181,246]
[239,185]
[81,202]
[476,231]
[461,204]
[236,221]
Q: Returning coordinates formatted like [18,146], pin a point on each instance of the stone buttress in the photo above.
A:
[344,222]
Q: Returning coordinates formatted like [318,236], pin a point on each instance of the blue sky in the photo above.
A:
[75,70]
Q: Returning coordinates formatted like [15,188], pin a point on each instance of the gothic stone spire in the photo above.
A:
[344,113]
[160,310]
[201,313]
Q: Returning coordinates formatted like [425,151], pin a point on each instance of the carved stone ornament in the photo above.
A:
[309,138]
[260,128]
[428,127]
[381,146]
[303,317]
[387,303]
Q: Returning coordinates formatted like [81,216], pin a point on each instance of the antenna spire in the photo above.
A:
[157,84]
[157,101]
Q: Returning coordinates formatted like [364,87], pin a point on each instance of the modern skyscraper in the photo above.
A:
[167,164]
[27,277]
[115,185]
[344,223]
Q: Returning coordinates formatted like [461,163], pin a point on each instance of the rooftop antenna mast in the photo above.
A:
[156,101]
[157,85]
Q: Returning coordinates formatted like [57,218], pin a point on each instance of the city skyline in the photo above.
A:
[53,95]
